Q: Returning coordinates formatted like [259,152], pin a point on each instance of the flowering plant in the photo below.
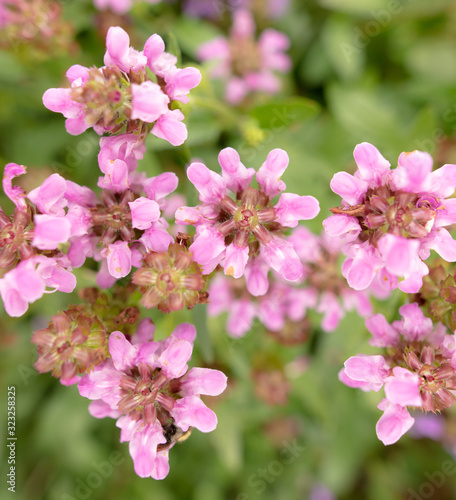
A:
[229,274]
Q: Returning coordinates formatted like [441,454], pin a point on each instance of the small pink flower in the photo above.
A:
[224,224]
[143,212]
[27,282]
[146,384]
[391,219]
[369,369]
[148,101]
[122,95]
[247,65]
[414,326]
[50,231]
[416,370]
[119,259]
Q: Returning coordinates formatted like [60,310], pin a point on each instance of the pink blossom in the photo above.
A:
[143,212]
[333,297]
[123,225]
[126,147]
[49,198]
[121,95]
[163,400]
[246,64]
[391,219]
[414,326]
[224,224]
[148,101]
[403,388]
[60,101]
[28,281]
[372,370]
[50,231]
[416,369]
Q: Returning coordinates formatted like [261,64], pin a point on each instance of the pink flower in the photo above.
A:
[61,101]
[225,226]
[121,227]
[416,370]
[49,198]
[247,65]
[372,370]
[28,281]
[121,95]
[148,101]
[148,385]
[333,297]
[391,219]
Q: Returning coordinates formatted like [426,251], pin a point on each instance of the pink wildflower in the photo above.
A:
[225,225]
[146,384]
[248,65]
[391,219]
[416,371]
[31,278]
[25,238]
[122,226]
[120,95]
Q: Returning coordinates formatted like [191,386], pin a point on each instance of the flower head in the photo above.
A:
[233,231]
[170,280]
[391,219]
[73,343]
[146,384]
[248,65]
[418,369]
[121,97]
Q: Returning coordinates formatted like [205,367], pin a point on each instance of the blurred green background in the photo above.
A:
[363,70]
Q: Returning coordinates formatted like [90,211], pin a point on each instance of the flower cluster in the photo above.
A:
[391,219]
[417,370]
[146,386]
[246,64]
[247,256]
[121,227]
[118,230]
[29,241]
[248,228]
[283,307]
[169,280]
[120,96]
[35,26]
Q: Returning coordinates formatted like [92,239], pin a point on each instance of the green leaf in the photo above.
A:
[191,33]
[281,113]
[172,46]
[199,313]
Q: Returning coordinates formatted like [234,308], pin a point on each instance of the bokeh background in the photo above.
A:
[382,71]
